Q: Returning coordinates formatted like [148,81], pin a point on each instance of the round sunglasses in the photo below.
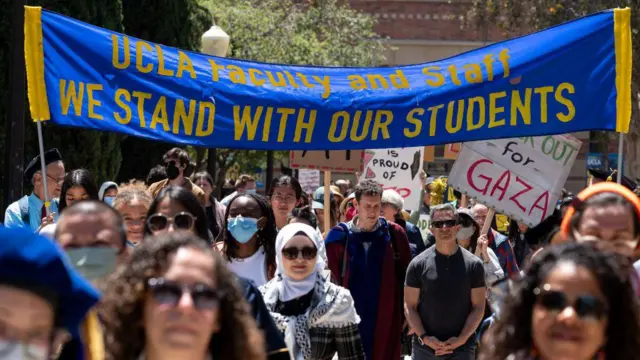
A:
[308,252]
[586,306]
[166,292]
[181,221]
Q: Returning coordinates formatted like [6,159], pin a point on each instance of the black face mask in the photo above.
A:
[172,170]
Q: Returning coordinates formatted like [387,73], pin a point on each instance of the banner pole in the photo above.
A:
[43,167]
[620,146]
[327,200]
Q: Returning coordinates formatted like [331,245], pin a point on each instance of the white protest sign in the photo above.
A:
[519,177]
[423,225]
[309,180]
[396,169]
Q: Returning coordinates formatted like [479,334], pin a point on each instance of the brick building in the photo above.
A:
[427,30]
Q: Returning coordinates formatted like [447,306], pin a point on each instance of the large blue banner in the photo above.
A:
[569,78]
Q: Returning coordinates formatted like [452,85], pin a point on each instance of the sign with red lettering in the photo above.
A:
[396,169]
[349,161]
[519,177]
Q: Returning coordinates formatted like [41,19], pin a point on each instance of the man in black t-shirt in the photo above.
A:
[444,293]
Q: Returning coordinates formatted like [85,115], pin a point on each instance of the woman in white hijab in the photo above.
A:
[317,318]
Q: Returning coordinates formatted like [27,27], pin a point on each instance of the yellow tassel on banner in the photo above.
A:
[622,36]
[34,61]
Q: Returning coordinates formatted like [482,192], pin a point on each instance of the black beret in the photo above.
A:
[34,166]
[604,175]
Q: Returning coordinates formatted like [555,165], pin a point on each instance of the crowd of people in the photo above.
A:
[162,269]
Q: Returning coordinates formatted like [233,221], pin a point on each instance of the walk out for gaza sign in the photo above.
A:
[568,78]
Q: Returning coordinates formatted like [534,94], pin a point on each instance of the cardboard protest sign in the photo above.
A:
[309,180]
[336,160]
[521,178]
[429,154]
[397,169]
[423,225]
[451,151]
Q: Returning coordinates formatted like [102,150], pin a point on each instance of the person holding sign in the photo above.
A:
[30,211]
[445,293]
[497,242]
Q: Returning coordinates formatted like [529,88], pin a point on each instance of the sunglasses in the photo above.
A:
[166,292]
[181,221]
[586,306]
[442,223]
[308,252]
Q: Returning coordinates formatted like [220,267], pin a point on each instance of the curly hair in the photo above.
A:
[368,188]
[134,190]
[122,308]
[266,236]
[512,333]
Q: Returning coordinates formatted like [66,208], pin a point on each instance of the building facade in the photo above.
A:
[428,30]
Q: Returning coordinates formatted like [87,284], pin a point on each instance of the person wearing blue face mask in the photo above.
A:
[108,192]
[248,244]
[245,184]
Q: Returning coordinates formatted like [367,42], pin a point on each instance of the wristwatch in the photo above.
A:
[422,337]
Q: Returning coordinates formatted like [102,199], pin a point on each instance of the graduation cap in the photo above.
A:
[612,176]
[34,166]
[34,263]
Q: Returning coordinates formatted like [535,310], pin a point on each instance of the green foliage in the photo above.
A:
[322,33]
[178,23]
[98,152]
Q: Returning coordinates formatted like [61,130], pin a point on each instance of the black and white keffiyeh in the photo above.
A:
[331,307]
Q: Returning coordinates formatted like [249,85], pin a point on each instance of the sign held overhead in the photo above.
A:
[519,177]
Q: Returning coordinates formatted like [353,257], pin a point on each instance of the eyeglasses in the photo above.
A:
[442,223]
[283,199]
[58,180]
[181,221]
[166,292]
[308,252]
[586,306]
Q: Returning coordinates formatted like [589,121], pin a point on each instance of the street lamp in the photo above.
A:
[214,42]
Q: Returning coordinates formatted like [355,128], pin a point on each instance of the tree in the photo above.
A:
[322,32]
[515,15]
[97,151]
[178,23]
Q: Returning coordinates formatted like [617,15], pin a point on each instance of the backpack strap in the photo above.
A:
[23,203]
[396,253]
[343,271]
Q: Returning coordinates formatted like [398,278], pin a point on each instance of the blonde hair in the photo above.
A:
[130,192]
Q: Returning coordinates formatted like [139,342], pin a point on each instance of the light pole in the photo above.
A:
[214,42]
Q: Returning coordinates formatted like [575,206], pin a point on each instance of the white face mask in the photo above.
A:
[15,350]
[465,232]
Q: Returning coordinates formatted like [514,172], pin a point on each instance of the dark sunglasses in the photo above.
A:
[442,223]
[308,252]
[181,221]
[586,306]
[166,292]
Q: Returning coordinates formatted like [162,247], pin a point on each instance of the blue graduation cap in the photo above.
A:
[34,263]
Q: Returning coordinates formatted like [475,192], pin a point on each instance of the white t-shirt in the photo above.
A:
[253,268]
